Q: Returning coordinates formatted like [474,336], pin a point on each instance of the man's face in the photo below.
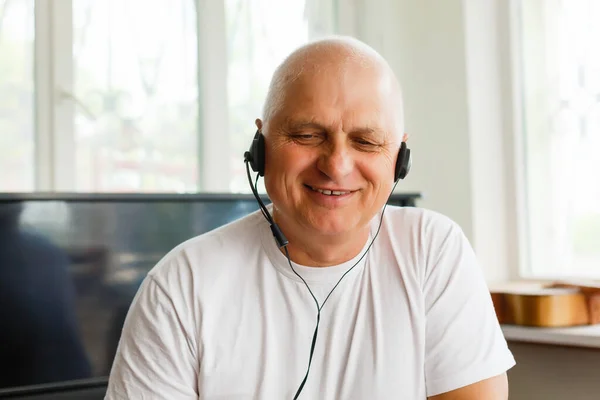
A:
[330,151]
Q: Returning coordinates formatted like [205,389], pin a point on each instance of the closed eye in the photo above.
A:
[307,138]
[366,145]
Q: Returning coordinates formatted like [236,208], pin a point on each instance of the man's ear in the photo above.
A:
[258,123]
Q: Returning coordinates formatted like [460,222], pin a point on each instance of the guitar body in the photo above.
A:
[547,305]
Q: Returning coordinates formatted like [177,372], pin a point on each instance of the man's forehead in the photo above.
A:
[349,100]
[367,95]
[337,71]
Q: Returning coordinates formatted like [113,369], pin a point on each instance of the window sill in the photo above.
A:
[579,336]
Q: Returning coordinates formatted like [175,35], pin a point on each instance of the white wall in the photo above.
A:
[426,47]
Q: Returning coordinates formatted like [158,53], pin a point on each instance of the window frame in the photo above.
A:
[518,239]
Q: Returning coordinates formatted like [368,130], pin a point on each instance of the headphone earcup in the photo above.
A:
[256,154]
[403,163]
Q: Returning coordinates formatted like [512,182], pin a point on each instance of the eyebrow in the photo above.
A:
[366,131]
[303,124]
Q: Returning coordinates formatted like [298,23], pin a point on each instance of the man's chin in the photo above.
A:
[333,227]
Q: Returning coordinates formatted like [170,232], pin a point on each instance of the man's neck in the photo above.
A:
[309,249]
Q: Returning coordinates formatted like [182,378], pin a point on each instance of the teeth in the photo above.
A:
[329,192]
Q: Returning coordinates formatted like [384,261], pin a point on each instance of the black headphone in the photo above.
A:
[255,156]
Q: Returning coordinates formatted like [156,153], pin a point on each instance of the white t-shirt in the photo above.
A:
[223,316]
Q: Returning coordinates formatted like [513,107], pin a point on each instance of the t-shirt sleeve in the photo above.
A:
[156,357]
[464,342]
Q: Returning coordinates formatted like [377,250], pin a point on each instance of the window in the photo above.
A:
[561,98]
[136,95]
[139,95]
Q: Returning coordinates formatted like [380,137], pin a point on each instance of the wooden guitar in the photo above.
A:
[553,304]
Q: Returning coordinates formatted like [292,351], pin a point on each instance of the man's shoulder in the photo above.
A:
[217,249]
[417,234]
[419,221]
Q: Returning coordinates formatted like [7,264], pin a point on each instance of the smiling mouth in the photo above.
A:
[329,192]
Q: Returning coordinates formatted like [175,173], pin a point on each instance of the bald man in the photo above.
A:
[327,293]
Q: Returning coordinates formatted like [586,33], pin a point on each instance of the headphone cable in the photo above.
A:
[320,307]
[283,243]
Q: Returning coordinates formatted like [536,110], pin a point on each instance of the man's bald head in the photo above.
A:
[336,56]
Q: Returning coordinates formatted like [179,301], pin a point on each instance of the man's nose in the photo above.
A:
[336,161]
